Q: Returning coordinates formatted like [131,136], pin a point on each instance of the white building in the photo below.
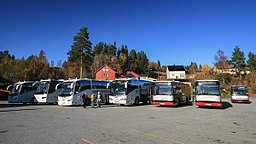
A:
[176,72]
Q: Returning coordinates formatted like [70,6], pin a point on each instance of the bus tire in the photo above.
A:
[178,101]
[187,100]
[137,101]
[32,101]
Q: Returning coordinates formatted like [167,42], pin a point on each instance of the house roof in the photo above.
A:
[135,74]
[130,74]
[176,68]
[105,65]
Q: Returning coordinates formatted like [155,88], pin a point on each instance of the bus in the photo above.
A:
[130,91]
[71,92]
[239,94]
[171,93]
[22,92]
[46,92]
[207,93]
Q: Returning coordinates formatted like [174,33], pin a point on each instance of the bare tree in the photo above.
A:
[221,62]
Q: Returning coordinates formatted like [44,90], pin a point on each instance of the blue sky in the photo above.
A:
[172,31]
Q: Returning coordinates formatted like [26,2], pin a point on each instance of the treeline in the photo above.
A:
[83,61]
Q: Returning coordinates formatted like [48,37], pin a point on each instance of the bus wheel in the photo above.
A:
[137,101]
[32,101]
[187,100]
[178,101]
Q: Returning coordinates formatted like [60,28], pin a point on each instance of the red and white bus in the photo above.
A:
[171,93]
[207,93]
[239,94]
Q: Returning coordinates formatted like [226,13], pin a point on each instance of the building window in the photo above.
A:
[182,75]
[104,75]
[105,69]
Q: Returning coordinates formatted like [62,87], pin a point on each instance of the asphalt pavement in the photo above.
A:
[235,123]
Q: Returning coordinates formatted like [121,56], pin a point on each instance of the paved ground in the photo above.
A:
[32,124]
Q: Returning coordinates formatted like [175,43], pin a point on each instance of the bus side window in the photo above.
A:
[52,87]
[82,88]
[77,87]
[23,90]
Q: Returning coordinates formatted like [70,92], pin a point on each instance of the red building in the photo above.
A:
[130,74]
[105,73]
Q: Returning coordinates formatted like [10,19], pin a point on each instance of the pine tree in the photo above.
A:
[132,60]
[142,62]
[122,57]
[98,48]
[81,53]
[251,62]
[238,61]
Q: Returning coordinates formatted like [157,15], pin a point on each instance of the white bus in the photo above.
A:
[171,93]
[207,93]
[46,92]
[130,91]
[22,92]
[72,91]
[239,94]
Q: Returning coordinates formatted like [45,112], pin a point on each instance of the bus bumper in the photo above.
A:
[241,101]
[209,104]
[163,103]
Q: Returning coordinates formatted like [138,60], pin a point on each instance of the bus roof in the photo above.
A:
[48,80]
[83,79]
[74,80]
[169,81]
[238,86]
[24,82]
[207,80]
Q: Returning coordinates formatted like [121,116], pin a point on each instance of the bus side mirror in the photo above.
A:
[58,86]
[9,88]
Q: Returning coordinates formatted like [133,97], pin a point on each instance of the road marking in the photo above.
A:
[87,141]
[160,137]
[221,134]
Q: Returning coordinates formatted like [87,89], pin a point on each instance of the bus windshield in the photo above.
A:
[66,89]
[14,89]
[208,89]
[118,87]
[239,91]
[164,89]
[42,88]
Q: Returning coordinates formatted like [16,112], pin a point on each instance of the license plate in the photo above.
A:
[162,103]
[240,101]
[208,104]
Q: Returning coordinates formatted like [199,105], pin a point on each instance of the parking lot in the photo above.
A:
[235,123]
